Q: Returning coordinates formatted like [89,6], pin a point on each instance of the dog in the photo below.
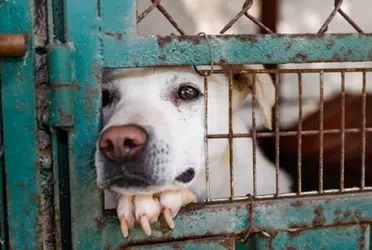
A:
[151,148]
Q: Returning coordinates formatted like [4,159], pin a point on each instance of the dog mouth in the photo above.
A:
[143,183]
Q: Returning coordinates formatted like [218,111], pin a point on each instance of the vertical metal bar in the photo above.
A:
[3,226]
[254,135]
[86,210]
[20,140]
[119,18]
[364,117]
[321,131]
[342,167]
[231,150]
[277,138]
[299,137]
[206,152]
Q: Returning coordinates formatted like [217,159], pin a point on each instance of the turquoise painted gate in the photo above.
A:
[87,36]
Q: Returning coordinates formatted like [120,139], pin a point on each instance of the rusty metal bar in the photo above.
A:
[147,11]
[288,133]
[324,27]
[321,131]
[277,138]
[13,45]
[299,137]
[174,50]
[342,170]
[231,149]
[254,136]
[246,6]
[292,71]
[363,131]
[168,16]
[206,152]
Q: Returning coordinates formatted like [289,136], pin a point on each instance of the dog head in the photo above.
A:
[154,124]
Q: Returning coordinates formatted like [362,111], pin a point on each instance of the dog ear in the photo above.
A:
[264,89]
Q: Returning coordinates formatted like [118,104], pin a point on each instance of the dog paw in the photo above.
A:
[145,209]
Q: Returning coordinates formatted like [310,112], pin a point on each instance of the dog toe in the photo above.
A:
[172,201]
[125,211]
[147,211]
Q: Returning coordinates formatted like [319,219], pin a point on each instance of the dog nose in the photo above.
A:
[119,142]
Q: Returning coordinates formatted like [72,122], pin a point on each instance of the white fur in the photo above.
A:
[144,101]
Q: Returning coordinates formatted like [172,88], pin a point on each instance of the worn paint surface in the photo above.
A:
[19,130]
[235,49]
[216,243]
[86,203]
[337,238]
[61,79]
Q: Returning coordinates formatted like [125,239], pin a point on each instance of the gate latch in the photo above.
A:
[13,45]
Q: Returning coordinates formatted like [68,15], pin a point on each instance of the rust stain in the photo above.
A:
[297,204]
[163,40]
[21,185]
[163,57]
[117,35]
[248,38]
[299,57]
[35,198]
[100,223]
[319,218]
[362,239]
[222,62]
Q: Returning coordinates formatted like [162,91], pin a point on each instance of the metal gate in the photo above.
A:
[87,36]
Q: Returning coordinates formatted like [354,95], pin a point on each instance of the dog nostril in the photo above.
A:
[110,146]
[130,143]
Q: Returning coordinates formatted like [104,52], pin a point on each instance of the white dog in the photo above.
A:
[151,148]
[152,141]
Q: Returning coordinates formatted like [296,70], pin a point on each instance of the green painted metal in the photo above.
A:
[61,79]
[235,49]
[86,203]
[215,243]
[332,238]
[21,164]
[105,37]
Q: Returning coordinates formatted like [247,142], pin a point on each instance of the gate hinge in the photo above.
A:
[61,70]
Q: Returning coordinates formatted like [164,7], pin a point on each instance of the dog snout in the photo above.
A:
[120,142]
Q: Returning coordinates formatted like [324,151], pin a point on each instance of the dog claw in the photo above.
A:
[124,227]
[168,217]
[145,225]
[145,209]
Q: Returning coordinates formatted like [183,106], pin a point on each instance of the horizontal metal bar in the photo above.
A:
[235,49]
[286,133]
[290,70]
[235,218]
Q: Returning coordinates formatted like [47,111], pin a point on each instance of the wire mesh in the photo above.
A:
[343,131]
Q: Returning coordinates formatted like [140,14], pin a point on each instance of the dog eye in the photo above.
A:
[107,98]
[188,93]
